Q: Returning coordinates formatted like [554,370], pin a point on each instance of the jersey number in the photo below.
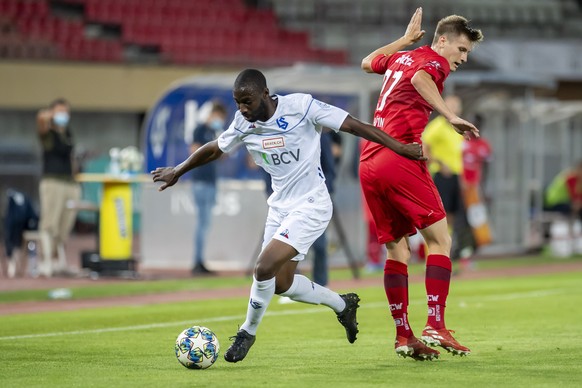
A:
[390,81]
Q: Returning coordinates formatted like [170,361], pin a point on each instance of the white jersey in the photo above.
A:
[287,146]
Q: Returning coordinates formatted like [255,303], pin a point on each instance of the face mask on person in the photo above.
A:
[216,124]
[61,119]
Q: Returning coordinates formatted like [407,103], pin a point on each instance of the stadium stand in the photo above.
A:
[225,32]
[358,27]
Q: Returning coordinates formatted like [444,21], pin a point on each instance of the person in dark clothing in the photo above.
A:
[204,184]
[20,216]
[57,184]
[328,165]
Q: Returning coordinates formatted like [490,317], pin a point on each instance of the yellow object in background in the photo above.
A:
[445,145]
[116,225]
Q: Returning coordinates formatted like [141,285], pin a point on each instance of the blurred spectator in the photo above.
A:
[336,147]
[204,184]
[443,147]
[374,250]
[473,222]
[564,193]
[328,165]
[57,185]
[375,253]
[20,216]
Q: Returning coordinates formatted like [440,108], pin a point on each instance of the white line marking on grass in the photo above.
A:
[156,325]
[513,296]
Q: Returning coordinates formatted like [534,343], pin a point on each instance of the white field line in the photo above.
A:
[480,299]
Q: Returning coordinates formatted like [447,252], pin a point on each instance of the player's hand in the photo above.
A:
[413,32]
[166,175]
[412,151]
[465,128]
[45,115]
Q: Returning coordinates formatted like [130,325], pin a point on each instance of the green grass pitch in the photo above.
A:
[523,332]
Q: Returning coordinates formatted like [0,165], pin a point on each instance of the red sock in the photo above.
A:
[437,282]
[396,287]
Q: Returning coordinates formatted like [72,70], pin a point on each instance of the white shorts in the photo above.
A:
[301,226]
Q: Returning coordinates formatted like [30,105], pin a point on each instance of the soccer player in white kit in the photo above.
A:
[282,134]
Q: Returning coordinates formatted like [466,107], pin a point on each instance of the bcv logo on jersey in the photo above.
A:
[282,123]
[285,157]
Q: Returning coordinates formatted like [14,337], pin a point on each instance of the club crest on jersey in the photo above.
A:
[285,233]
[274,142]
[282,123]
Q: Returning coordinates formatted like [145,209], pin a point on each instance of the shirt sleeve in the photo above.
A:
[230,139]
[380,63]
[325,115]
[436,69]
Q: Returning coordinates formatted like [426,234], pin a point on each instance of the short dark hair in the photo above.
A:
[219,107]
[59,101]
[251,78]
[457,25]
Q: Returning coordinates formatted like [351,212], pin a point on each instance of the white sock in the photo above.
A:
[306,291]
[261,294]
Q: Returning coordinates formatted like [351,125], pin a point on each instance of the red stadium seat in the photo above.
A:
[185,31]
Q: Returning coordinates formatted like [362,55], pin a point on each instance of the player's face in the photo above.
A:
[455,49]
[252,104]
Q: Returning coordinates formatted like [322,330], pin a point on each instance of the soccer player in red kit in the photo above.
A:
[400,192]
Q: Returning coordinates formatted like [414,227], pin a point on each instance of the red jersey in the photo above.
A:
[574,188]
[401,111]
[475,153]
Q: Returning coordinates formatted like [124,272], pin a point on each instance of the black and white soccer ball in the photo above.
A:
[197,347]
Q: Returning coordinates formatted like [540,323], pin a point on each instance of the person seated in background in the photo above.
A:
[20,216]
[564,193]
[564,197]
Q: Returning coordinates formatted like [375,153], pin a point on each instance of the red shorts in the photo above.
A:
[400,193]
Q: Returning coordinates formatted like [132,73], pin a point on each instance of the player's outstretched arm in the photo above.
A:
[369,132]
[425,86]
[412,35]
[170,175]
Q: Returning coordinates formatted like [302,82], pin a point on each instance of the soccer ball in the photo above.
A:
[197,347]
